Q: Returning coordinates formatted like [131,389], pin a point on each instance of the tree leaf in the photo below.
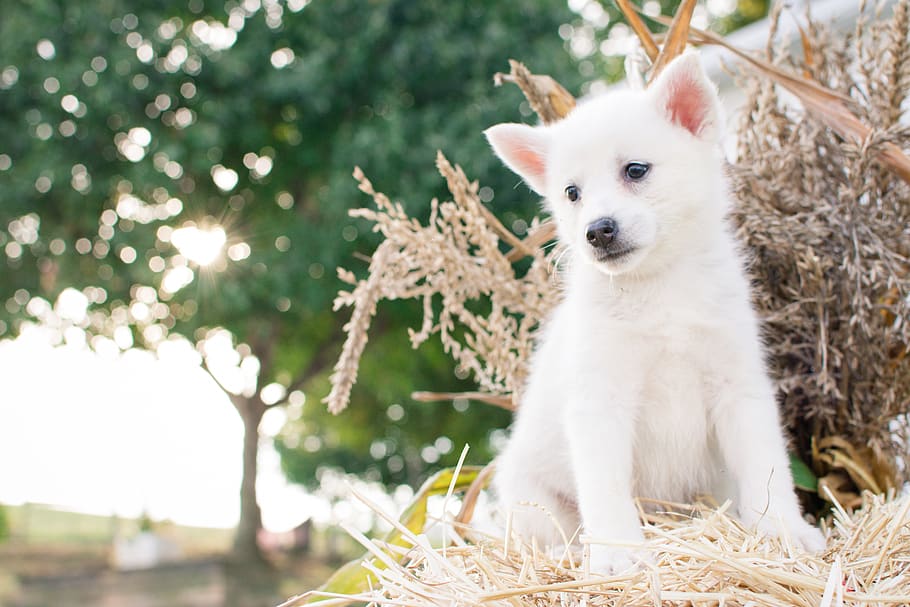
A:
[415,515]
[677,37]
[353,578]
[803,477]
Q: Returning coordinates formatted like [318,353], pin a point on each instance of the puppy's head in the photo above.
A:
[631,177]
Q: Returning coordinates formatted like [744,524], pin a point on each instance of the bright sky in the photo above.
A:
[127,433]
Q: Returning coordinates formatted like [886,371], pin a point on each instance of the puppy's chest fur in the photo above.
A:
[653,357]
[673,443]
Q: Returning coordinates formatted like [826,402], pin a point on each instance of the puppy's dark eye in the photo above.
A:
[573,193]
[636,171]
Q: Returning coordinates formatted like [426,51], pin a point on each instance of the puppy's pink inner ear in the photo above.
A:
[688,104]
[531,162]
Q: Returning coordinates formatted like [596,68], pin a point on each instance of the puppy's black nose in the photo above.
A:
[601,233]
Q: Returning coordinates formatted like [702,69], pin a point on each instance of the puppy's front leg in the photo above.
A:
[600,432]
[752,445]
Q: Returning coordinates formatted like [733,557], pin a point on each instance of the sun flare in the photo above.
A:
[200,246]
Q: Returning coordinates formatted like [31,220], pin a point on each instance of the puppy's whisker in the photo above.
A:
[559,257]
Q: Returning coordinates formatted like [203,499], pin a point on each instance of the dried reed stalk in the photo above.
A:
[677,36]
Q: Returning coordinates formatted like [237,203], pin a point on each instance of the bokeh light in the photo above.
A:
[200,246]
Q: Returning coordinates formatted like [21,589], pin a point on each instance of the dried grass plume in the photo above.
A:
[482,309]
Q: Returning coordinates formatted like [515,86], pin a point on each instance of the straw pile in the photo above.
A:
[701,557]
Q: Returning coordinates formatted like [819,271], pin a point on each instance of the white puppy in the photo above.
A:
[649,378]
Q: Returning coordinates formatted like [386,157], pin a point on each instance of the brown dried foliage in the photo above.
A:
[827,224]
[546,97]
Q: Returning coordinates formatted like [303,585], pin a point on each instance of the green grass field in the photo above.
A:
[37,524]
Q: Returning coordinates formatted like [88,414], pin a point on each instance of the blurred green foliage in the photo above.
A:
[4,524]
[123,120]
[117,118]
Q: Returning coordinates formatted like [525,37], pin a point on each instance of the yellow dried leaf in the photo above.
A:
[677,37]
[828,106]
[549,99]
[641,30]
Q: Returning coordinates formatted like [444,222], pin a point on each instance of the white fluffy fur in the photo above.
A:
[649,378]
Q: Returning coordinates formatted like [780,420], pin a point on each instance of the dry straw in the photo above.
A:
[701,557]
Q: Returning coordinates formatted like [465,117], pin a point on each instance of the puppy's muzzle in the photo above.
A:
[601,233]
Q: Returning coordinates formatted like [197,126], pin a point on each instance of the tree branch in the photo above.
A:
[503,401]
[318,363]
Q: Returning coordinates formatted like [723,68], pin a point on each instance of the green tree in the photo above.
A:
[182,170]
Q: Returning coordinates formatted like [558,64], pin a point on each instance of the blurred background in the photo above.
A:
[174,187]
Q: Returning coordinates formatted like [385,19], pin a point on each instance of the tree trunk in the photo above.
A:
[251,409]
[246,547]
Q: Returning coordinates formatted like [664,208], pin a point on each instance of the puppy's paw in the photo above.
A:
[610,561]
[804,535]
[808,536]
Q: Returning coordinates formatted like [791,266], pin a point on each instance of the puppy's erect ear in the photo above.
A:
[687,98]
[523,149]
